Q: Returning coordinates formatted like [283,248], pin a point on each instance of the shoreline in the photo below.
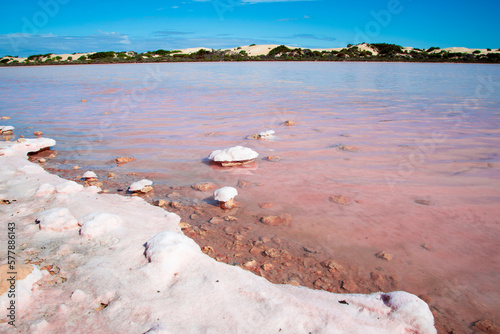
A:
[252,61]
[169,253]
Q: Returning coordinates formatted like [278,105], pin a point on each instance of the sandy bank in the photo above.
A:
[116,264]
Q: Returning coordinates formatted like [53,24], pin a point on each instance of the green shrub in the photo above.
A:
[82,58]
[102,55]
[279,49]
[476,52]
[387,49]
[35,57]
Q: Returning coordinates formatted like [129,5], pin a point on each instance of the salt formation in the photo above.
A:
[233,156]
[6,129]
[156,279]
[57,219]
[225,196]
[141,186]
[98,224]
[266,134]
[263,135]
[89,175]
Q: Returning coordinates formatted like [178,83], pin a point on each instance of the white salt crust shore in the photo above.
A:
[130,269]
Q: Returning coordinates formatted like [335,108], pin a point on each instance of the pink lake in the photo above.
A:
[426,170]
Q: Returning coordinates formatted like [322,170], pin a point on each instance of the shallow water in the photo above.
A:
[426,169]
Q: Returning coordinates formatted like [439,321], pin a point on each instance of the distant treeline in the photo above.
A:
[386,52]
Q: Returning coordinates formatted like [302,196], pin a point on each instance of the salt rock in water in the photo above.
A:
[97,224]
[141,186]
[57,219]
[263,135]
[266,134]
[6,129]
[384,256]
[123,160]
[233,156]
[89,175]
[225,196]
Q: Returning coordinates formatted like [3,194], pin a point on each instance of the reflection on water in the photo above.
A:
[424,169]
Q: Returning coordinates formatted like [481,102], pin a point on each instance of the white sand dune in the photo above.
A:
[130,269]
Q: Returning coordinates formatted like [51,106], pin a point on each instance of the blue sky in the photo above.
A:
[68,26]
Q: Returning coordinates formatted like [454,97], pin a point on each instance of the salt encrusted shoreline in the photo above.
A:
[126,267]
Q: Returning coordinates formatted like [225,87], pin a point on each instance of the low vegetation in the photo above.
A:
[380,52]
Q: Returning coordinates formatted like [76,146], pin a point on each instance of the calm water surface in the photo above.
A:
[427,168]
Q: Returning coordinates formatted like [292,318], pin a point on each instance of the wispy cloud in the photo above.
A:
[315,37]
[26,44]
[171,33]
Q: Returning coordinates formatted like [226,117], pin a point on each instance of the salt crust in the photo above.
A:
[23,290]
[156,279]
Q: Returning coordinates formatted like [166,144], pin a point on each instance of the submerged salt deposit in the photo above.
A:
[140,185]
[130,269]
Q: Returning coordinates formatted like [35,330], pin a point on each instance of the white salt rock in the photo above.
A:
[69,187]
[57,219]
[5,128]
[225,194]
[236,153]
[78,296]
[411,310]
[139,185]
[89,175]
[265,134]
[45,189]
[168,246]
[97,224]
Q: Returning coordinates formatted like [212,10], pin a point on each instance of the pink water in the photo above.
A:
[428,132]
